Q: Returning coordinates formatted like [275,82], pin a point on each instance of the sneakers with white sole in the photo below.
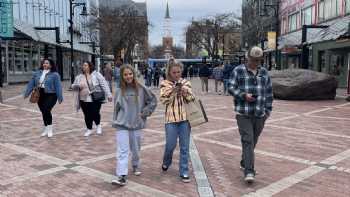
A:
[87,133]
[49,131]
[249,178]
[137,171]
[99,129]
[44,133]
[121,180]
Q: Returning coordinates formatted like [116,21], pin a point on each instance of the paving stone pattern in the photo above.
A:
[304,151]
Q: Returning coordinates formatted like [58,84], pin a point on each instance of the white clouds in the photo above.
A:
[182,12]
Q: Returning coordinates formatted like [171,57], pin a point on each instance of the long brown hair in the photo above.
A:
[123,84]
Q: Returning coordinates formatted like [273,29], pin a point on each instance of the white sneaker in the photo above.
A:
[99,129]
[249,178]
[87,133]
[44,133]
[49,131]
[137,171]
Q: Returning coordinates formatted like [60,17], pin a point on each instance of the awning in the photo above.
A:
[336,29]
[46,36]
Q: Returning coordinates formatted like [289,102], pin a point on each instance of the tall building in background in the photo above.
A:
[167,38]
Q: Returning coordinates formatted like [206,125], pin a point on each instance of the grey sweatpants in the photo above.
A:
[250,128]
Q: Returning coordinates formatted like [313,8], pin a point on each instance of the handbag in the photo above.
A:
[35,96]
[96,96]
[195,113]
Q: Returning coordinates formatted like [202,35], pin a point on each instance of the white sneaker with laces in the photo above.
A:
[87,133]
[99,129]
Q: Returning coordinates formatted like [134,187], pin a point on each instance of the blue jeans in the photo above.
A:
[117,83]
[172,132]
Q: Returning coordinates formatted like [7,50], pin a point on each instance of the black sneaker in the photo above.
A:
[164,168]
[121,180]
[185,178]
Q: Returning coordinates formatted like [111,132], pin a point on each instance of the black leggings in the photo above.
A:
[46,102]
[91,112]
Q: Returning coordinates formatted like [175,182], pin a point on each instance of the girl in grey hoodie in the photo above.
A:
[133,103]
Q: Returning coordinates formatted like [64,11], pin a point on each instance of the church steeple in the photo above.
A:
[167,13]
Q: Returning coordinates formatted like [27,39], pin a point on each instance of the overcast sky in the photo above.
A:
[181,12]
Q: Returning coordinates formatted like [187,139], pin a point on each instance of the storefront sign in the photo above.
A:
[271,38]
[6,18]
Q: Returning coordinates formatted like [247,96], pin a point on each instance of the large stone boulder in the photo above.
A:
[301,84]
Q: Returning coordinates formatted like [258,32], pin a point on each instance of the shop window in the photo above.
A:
[347,6]
[18,61]
[293,22]
[329,9]
[307,16]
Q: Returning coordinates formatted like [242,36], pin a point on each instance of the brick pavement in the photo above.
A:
[304,151]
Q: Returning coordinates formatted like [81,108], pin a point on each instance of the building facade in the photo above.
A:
[327,36]
[22,54]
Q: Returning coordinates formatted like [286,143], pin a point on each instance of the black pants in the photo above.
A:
[46,102]
[250,129]
[91,112]
[156,81]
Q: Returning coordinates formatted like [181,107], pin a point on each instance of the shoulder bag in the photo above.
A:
[35,95]
[96,96]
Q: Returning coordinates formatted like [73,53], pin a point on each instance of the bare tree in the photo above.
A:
[206,33]
[121,28]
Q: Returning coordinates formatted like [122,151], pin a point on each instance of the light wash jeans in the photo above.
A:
[127,140]
[173,131]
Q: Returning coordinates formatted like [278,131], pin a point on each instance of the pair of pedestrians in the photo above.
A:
[48,81]
[134,102]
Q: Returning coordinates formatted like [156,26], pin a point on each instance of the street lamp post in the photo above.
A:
[276,7]
[72,5]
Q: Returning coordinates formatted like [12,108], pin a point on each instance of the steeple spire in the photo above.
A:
[167,13]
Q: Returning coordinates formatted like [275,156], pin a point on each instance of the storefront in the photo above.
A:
[23,54]
[332,57]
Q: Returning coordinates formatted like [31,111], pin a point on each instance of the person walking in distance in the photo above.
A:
[86,85]
[133,103]
[226,75]
[252,90]
[108,74]
[174,92]
[117,73]
[204,74]
[49,82]
[218,77]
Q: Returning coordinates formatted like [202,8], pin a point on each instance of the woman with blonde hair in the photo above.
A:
[174,92]
[133,103]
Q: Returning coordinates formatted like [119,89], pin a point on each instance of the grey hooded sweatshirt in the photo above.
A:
[131,111]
